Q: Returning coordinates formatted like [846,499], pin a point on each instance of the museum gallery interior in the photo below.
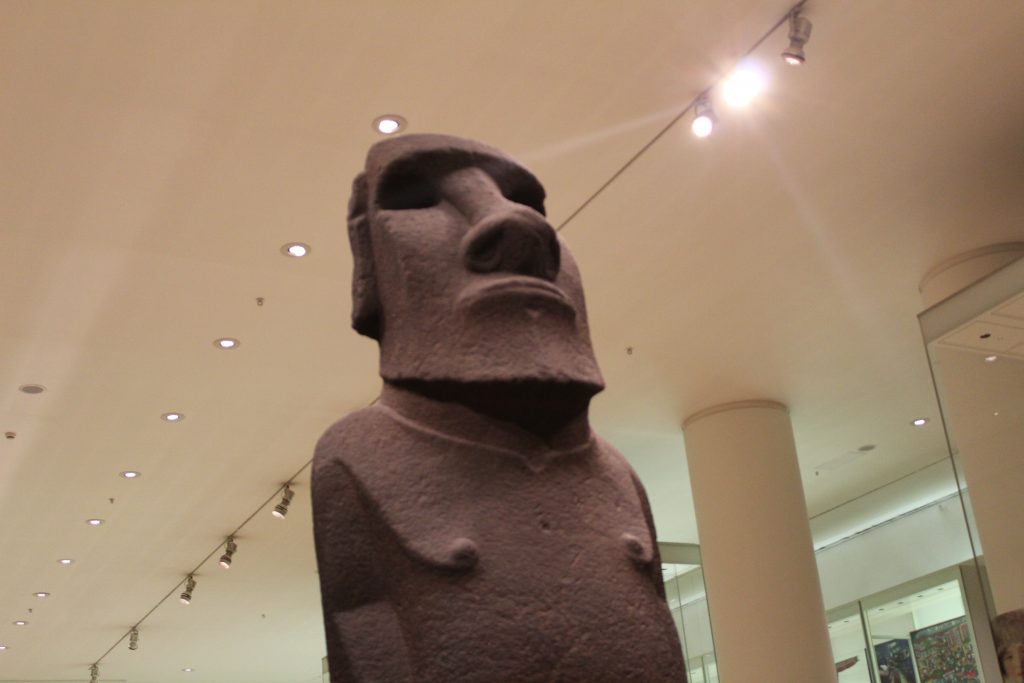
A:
[799,231]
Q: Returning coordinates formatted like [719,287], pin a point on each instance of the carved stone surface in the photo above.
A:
[469,525]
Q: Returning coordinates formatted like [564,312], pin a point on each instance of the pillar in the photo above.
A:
[982,404]
[764,595]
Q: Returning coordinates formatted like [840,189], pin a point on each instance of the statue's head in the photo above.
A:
[458,274]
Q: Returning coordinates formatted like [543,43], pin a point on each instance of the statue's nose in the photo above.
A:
[515,240]
[504,236]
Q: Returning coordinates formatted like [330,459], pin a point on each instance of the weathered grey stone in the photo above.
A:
[469,525]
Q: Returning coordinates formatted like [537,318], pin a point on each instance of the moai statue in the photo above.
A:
[469,525]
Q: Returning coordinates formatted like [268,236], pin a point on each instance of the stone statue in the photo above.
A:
[469,525]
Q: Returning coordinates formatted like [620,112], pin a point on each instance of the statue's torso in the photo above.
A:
[497,570]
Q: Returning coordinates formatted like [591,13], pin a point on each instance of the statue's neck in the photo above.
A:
[518,416]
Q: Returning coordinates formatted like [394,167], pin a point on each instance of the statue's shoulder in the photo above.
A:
[356,437]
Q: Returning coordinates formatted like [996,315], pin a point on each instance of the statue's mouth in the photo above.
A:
[528,289]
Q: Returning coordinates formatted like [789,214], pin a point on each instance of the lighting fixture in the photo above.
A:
[21,623]
[130,474]
[745,83]
[281,509]
[133,639]
[188,669]
[991,359]
[94,673]
[190,585]
[920,422]
[703,118]
[172,417]
[94,522]
[389,124]
[41,594]
[32,388]
[229,552]
[226,343]
[65,561]
[799,34]
[2,648]
[295,249]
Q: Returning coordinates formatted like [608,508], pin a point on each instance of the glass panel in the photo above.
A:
[849,648]
[920,632]
[684,588]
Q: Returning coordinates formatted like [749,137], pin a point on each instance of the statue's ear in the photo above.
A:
[365,301]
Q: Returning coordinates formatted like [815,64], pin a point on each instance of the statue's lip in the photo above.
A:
[516,285]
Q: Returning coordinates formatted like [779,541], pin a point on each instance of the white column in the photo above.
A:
[764,596]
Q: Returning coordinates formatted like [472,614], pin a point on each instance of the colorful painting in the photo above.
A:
[895,665]
[944,652]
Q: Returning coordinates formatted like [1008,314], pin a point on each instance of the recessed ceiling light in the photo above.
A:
[32,388]
[991,359]
[188,669]
[130,474]
[920,421]
[295,249]
[703,118]
[740,88]
[2,648]
[172,417]
[226,343]
[21,623]
[94,522]
[867,448]
[65,561]
[41,594]
[389,124]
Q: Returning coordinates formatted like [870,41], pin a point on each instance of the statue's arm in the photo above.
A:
[364,636]
[655,568]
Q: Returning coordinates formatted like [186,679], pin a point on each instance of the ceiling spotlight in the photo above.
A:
[226,343]
[229,552]
[388,124]
[190,585]
[94,673]
[991,359]
[41,594]
[188,669]
[172,417]
[21,623]
[743,85]
[799,34]
[2,648]
[295,249]
[32,388]
[703,118]
[94,522]
[65,561]
[133,639]
[281,509]
[130,474]
[920,422]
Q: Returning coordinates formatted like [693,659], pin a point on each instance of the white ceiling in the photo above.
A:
[155,156]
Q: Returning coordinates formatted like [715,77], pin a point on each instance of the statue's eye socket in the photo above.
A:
[407,191]
[525,193]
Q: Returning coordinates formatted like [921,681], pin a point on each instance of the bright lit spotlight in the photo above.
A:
[920,422]
[743,86]
[703,118]
[226,343]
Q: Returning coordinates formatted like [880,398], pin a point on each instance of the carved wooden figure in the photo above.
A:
[469,525]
